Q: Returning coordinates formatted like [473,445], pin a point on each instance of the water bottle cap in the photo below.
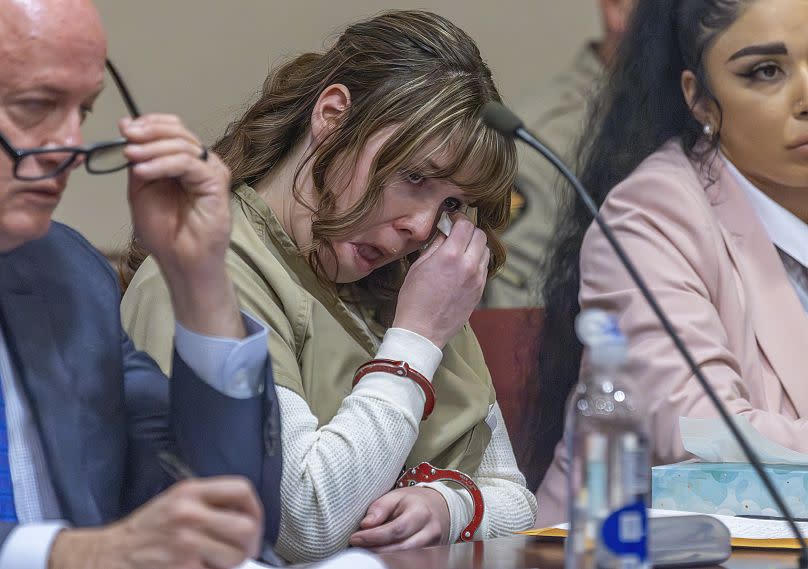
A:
[598,331]
[596,327]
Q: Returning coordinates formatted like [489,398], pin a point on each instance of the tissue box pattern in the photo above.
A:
[728,488]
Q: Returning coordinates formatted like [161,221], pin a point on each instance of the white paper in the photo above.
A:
[711,441]
[252,564]
[751,528]
[353,559]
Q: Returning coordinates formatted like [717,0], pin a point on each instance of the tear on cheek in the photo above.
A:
[445,224]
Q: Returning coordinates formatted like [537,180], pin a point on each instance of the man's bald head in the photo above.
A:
[36,34]
[63,23]
[53,54]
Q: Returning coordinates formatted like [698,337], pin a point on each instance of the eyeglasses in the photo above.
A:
[49,161]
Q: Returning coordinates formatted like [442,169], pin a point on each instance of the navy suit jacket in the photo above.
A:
[102,407]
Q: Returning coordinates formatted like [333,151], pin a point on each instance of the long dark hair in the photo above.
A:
[640,108]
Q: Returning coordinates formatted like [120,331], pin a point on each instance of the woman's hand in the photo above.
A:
[179,195]
[445,284]
[405,518]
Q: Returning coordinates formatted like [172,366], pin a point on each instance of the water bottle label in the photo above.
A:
[624,532]
[636,470]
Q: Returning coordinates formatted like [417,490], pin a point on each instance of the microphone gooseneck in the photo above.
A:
[505,122]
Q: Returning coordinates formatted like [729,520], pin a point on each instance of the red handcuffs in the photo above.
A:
[425,472]
[401,369]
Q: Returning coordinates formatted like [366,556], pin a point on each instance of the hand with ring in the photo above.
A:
[179,194]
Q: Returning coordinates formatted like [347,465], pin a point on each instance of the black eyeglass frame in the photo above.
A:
[17,155]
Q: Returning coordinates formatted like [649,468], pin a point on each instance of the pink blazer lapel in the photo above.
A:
[778,317]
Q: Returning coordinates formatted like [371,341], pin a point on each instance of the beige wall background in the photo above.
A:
[204,60]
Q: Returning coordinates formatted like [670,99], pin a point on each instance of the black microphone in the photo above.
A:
[505,122]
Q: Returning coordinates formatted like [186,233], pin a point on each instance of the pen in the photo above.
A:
[178,470]
[762,517]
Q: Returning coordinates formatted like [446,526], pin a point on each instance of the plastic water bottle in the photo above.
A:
[609,482]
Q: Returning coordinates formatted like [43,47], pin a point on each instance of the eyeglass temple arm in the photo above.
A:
[127,98]
[7,147]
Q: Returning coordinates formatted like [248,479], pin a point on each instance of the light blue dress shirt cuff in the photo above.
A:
[232,367]
[28,545]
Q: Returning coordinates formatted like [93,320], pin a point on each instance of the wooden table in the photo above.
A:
[528,552]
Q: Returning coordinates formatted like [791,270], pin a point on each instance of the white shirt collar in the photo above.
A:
[787,231]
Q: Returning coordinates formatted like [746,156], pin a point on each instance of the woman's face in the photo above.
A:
[404,220]
[758,72]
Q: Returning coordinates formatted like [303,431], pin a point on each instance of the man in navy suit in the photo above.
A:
[82,413]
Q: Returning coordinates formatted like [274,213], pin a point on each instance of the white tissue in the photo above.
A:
[445,224]
[711,441]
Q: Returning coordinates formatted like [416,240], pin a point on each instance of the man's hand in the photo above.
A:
[181,215]
[195,524]
[404,518]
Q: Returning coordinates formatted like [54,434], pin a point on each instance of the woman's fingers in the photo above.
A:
[380,510]
[405,522]
[406,517]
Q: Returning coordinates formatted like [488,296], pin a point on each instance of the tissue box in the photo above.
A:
[728,488]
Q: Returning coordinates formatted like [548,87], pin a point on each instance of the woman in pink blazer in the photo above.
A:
[699,157]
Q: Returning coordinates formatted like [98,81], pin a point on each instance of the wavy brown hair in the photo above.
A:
[413,70]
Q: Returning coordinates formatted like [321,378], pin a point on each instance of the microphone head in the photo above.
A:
[500,118]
